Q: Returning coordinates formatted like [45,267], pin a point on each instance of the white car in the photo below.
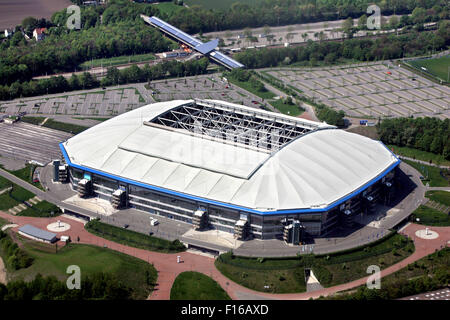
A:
[154,222]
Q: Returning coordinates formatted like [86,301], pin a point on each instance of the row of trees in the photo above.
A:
[103,286]
[65,51]
[284,12]
[426,134]
[383,48]
[114,76]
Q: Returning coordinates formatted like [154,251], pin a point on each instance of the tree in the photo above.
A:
[347,27]
[362,22]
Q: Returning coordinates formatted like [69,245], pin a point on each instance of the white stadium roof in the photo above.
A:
[313,170]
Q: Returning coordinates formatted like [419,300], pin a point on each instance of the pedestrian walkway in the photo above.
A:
[168,268]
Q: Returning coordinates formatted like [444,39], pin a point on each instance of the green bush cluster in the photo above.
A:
[132,238]
[15,257]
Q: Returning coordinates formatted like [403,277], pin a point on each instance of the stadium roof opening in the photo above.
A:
[207,49]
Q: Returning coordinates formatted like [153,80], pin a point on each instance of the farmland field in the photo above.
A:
[12,12]
[437,67]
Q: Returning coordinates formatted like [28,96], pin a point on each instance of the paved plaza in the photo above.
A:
[369,90]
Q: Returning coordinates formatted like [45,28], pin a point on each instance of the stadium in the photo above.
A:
[218,165]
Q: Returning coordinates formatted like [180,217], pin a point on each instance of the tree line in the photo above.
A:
[284,12]
[426,134]
[383,48]
[99,286]
[114,76]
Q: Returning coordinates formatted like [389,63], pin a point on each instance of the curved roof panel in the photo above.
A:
[314,170]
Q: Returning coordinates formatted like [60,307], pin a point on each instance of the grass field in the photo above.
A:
[168,8]
[196,286]
[18,195]
[3,222]
[42,209]
[439,196]
[26,174]
[132,238]
[436,177]
[287,274]
[52,124]
[223,4]
[131,271]
[419,154]
[91,118]
[114,61]
[431,217]
[289,109]
[437,67]
[247,86]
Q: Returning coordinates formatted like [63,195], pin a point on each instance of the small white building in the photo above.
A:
[9,33]
[39,33]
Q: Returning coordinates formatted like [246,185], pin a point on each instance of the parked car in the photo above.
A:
[154,222]
[126,226]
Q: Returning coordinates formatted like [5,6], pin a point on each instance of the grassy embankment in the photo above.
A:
[191,285]
[284,275]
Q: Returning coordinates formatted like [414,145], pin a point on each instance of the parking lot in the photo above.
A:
[113,101]
[369,90]
[202,87]
[23,141]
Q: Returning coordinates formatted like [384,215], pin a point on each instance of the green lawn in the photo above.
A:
[51,123]
[66,127]
[18,194]
[132,238]
[91,118]
[439,196]
[114,61]
[419,154]
[247,86]
[41,209]
[168,8]
[3,222]
[427,274]
[191,285]
[33,120]
[431,217]
[133,272]
[26,174]
[436,177]
[289,109]
[4,183]
[285,275]
[437,67]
